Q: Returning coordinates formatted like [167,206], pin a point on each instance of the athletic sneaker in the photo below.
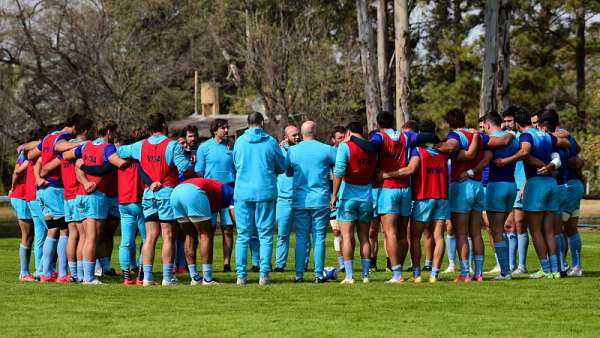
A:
[575,272]
[501,277]
[319,280]
[28,278]
[519,271]
[433,280]
[450,269]
[54,275]
[64,280]
[197,280]
[366,280]
[395,281]
[417,280]
[347,281]
[171,282]
[553,275]
[427,268]
[98,272]
[461,278]
[264,281]
[477,279]
[129,282]
[298,280]
[148,283]
[255,268]
[241,281]
[210,282]
[44,279]
[93,282]
[496,269]
[278,269]
[539,274]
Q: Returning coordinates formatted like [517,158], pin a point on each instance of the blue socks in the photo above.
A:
[478,266]
[168,272]
[207,270]
[575,247]
[512,250]
[464,268]
[88,271]
[545,263]
[522,245]
[451,248]
[397,272]
[340,262]
[148,273]
[559,251]
[105,263]
[348,265]
[470,252]
[73,270]
[193,272]
[24,254]
[62,256]
[49,250]
[366,264]
[554,263]
[416,271]
[435,272]
[501,249]
[79,271]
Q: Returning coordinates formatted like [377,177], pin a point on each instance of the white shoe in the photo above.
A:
[148,283]
[98,272]
[366,280]
[194,282]
[242,281]
[496,269]
[264,281]
[395,281]
[93,282]
[210,282]
[575,272]
[347,281]
[500,277]
[171,282]
[519,271]
[450,269]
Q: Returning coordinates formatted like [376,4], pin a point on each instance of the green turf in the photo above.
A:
[517,308]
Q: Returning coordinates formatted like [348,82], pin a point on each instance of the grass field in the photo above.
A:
[522,307]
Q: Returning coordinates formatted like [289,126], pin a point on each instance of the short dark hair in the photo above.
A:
[523,117]
[510,111]
[106,126]
[355,127]
[411,125]
[190,129]
[156,122]
[71,121]
[549,118]
[83,124]
[427,126]
[385,120]
[338,129]
[494,118]
[219,123]
[178,134]
[455,118]
[537,113]
[255,119]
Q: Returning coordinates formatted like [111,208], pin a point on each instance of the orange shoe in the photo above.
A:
[64,280]
[28,278]
[461,278]
[478,279]
[130,282]
[44,279]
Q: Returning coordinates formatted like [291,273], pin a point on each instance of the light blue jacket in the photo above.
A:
[215,161]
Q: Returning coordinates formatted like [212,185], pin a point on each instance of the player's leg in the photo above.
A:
[128,230]
[72,249]
[365,247]
[255,251]
[265,222]
[168,233]
[522,239]
[429,247]
[460,224]
[389,223]
[450,246]
[227,226]
[303,222]
[26,227]
[475,224]
[285,219]
[320,218]
[511,239]
[437,228]
[575,190]
[92,234]
[497,220]
[548,230]
[79,251]
[348,243]
[244,217]
[106,244]
[534,222]
[190,233]
[416,232]
[206,232]
[374,241]
[337,243]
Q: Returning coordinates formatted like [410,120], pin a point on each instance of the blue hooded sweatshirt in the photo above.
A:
[258,160]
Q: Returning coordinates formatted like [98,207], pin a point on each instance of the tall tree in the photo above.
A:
[383,56]
[402,55]
[488,102]
[367,55]
[504,23]
[580,53]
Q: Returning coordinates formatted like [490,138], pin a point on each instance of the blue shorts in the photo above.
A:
[72,213]
[395,201]
[159,208]
[541,194]
[52,201]
[352,210]
[500,196]
[93,206]
[190,202]
[113,207]
[430,209]
[225,221]
[375,192]
[21,208]
[466,196]
[574,194]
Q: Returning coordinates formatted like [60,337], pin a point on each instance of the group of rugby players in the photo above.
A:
[73,187]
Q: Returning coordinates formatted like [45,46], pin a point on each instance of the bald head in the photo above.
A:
[292,134]
[309,129]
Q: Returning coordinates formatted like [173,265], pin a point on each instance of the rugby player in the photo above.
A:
[337,136]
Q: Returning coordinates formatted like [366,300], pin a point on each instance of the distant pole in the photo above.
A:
[195,93]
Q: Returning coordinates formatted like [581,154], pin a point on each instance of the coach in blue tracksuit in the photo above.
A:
[310,162]
[258,160]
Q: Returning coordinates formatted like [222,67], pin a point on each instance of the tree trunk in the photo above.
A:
[580,66]
[488,100]
[504,22]
[402,51]
[383,56]
[456,20]
[366,41]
